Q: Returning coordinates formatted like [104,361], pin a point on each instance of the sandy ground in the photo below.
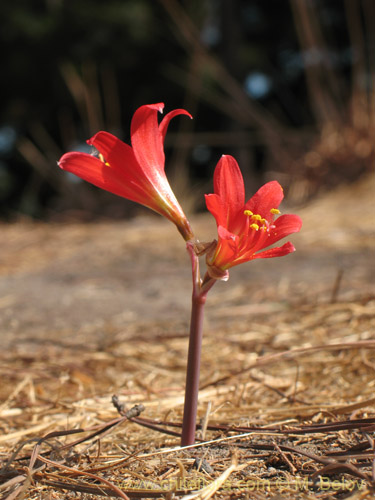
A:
[63,282]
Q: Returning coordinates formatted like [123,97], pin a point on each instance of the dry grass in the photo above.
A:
[287,386]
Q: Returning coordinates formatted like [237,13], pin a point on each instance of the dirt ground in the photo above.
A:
[89,310]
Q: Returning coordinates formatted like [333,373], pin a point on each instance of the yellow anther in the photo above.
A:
[248,212]
[254,226]
[256,217]
[101,158]
[275,211]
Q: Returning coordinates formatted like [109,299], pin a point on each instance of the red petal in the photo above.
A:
[228,182]
[267,197]
[143,185]
[168,117]
[275,252]
[284,226]
[226,248]
[229,186]
[118,154]
[147,140]
[226,235]
[217,209]
[93,170]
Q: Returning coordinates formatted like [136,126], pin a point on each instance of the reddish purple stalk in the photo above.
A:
[199,296]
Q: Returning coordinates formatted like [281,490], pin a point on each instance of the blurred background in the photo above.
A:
[287,87]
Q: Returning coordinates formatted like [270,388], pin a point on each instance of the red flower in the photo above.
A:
[137,172]
[245,229]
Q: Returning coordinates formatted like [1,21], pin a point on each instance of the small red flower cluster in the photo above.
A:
[137,173]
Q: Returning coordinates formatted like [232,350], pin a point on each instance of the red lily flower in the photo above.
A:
[245,229]
[137,172]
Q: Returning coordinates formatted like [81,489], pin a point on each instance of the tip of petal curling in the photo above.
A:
[228,157]
[92,139]
[159,106]
[62,162]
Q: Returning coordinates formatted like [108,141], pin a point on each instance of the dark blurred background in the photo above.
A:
[287,87]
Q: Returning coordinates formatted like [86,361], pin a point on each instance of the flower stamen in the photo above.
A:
[101,158]
[258,222]
[275,211]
